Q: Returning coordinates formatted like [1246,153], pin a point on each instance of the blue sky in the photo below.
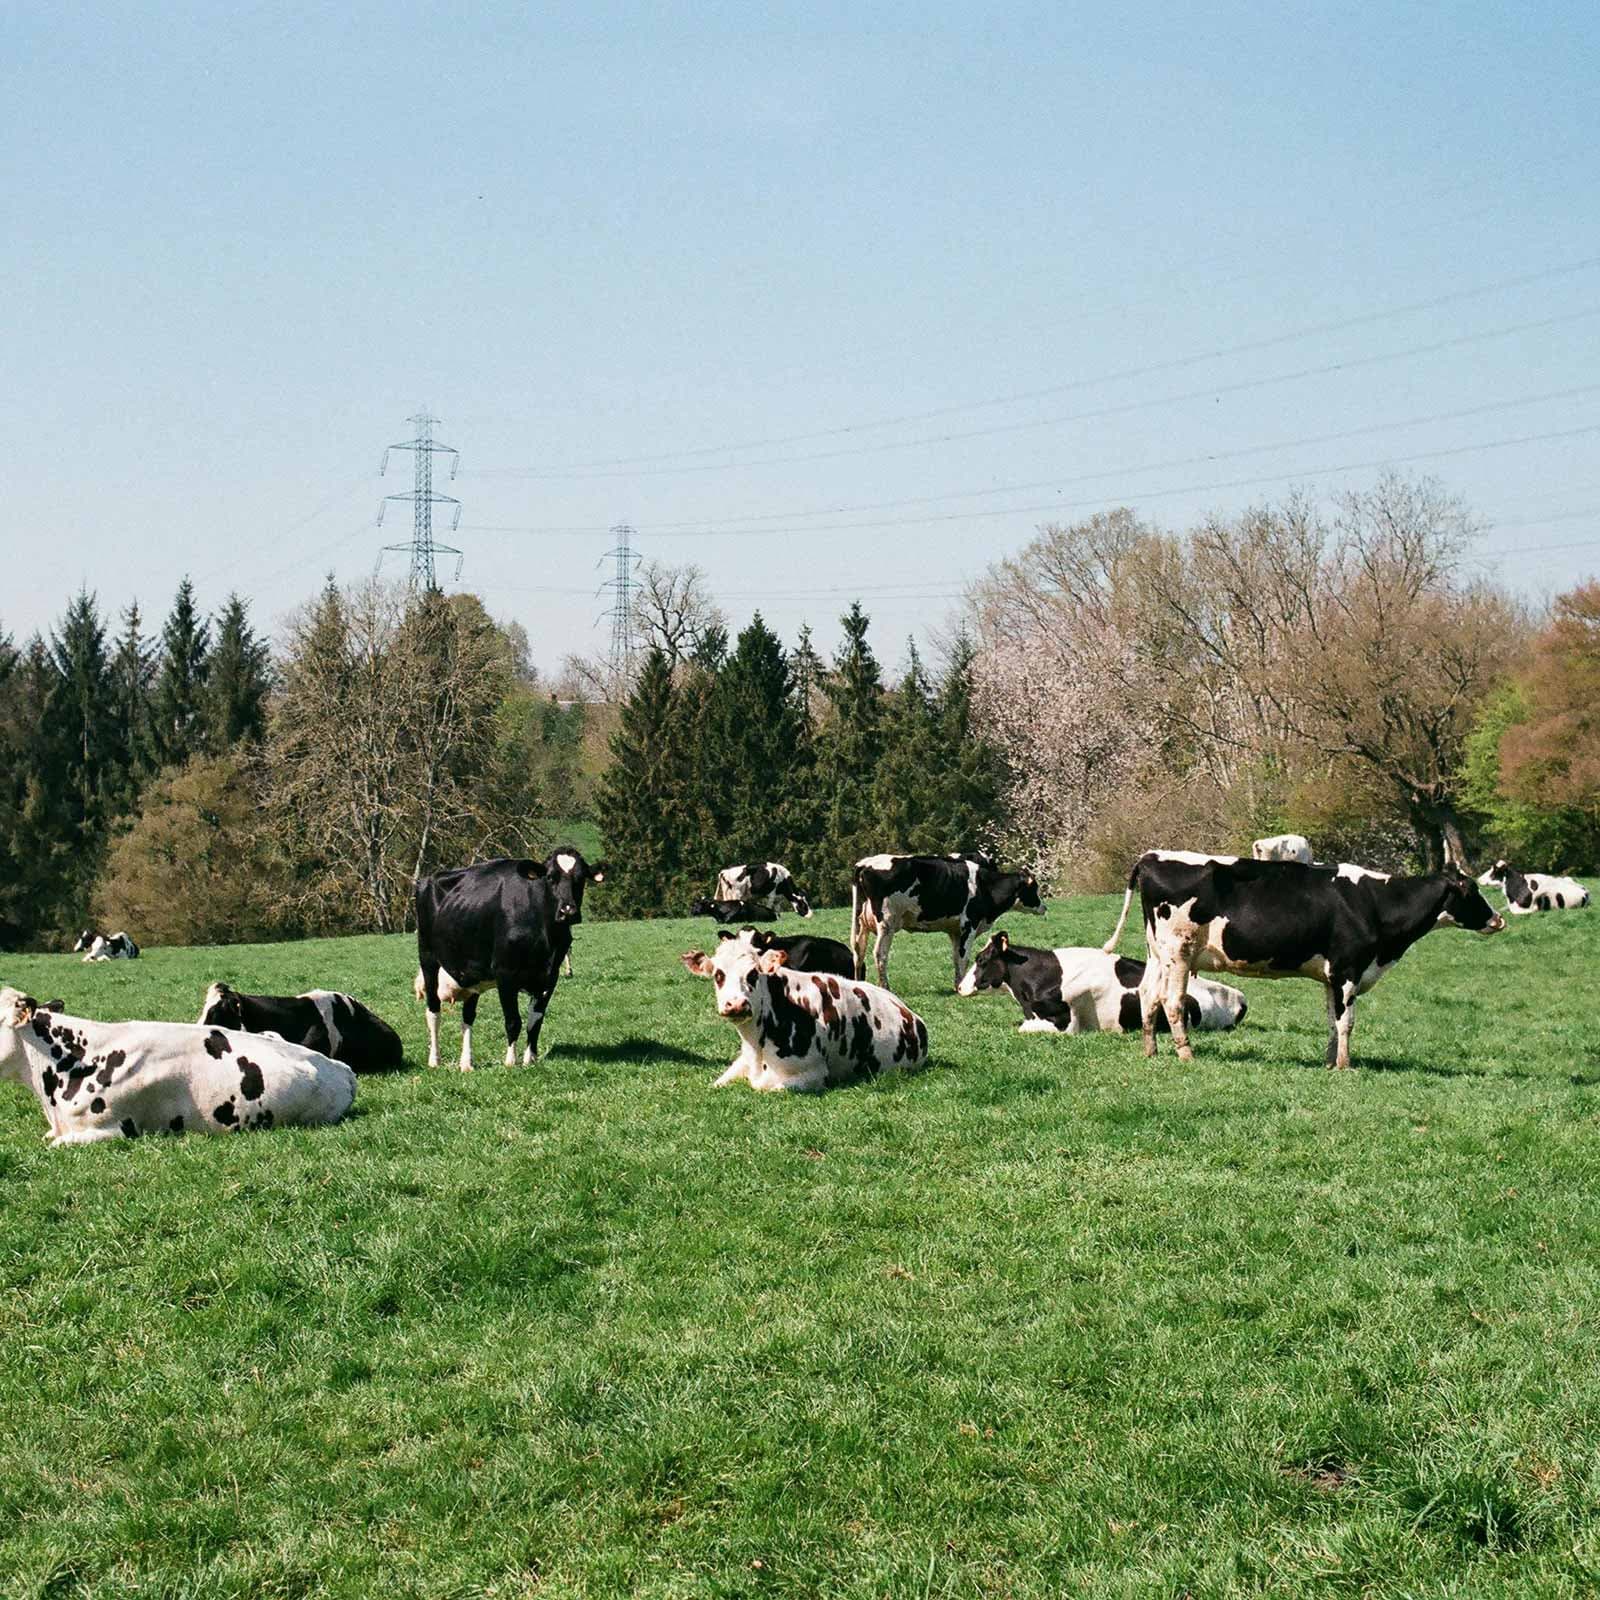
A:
[686,267]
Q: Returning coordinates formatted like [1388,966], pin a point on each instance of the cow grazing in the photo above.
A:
[332,1024]
[117,1080]
[801,952]
[958,895]
[804,1031]
[767,883]
[1078,989]
[502,925]
[1342,926]
[1283,847]
[105,946]
[733,911]
[1527,892]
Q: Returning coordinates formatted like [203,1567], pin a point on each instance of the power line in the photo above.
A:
[422,547]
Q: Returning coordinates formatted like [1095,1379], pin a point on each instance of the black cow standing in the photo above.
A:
[502,925]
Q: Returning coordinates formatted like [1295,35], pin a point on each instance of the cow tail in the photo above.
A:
[1127,900]
[857,965]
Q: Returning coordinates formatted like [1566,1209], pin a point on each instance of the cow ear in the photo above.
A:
[725,933]
[698,962]
[55,1005]
[597,873]
[1003,939]
[772,960]
[23,1007]
[530,869]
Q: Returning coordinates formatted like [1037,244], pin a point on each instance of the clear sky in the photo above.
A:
[832,300]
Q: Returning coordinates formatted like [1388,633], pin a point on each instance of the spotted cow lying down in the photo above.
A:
[1078,989]
[117,1080]
[806,1031]
[337,1025]
[1527,892]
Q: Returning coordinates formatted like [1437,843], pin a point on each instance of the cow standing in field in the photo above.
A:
[728,911]
[335,1025]
[804,1031]
[105,946]
[1342,926]
[962,896]
[1077,989]
[801,952]
[118,1080]
[1283,847]
[502,925]
[767,883]
[1527,892]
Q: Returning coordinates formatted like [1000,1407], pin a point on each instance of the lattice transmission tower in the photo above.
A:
[621,586]
[423,547]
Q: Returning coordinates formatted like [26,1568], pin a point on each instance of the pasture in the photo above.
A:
[1045,1319]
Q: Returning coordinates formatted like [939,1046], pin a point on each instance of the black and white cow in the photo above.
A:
[958,895]
[1078,989]
[117,1080]
[1527,892]
[502,925]
[733,910]
[801,952]
[1283,847]
[1342,926]
[805,1031]
[105,946]
[767,883]
[335,1025]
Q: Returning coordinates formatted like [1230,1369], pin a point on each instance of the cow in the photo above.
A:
[118,1080]
[1528,892]
[961,896]
[106,947]
[733,910]
[805,1031]
[335,1025]
[767,883]
[801,952]
[1283,847]
[1343,926]
[1078,989]
[504,925]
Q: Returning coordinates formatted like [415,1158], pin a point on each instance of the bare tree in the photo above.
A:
[672,610]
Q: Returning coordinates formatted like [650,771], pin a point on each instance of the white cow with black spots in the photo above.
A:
[118,1080]
[1527,892]
[1283,847]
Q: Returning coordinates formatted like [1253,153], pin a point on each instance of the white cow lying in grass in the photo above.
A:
[1527,892]
[805,1031]
[117,1080]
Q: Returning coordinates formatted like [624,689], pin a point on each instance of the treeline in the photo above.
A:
[761,753]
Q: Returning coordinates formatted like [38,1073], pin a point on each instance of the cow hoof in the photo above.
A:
[1149,1049]
[1185,1053]
[511,1055]
[466,1066]
[529,1056]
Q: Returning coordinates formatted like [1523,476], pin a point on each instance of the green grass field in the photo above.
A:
[1045,1319]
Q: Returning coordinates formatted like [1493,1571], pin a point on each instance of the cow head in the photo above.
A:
[1465,907]
[988,970]
[735,969]
[16,1012]
[1028,896]
[222,1009]
[566,874]
[86,941]
[1496,873]
[702,908]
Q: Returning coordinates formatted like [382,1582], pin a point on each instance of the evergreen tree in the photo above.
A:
[848,748]
[132,675]
[807,671]
[238,678]
[910,771]
[41,893]
[178,705]
[966,810]
[79,738]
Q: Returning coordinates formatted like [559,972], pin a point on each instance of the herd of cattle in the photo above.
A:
[805,1015]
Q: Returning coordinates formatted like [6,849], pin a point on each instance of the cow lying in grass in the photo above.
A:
[1527,892]
[801,952]
[806,1031]
[117,1080]
[337,1025]
[1081,990]
[733,911]
[105,946]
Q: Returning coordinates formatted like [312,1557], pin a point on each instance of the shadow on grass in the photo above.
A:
[1430,1069]
[641,1050]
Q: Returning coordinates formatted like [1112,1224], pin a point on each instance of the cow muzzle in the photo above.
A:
[1494,924]
[735,1008]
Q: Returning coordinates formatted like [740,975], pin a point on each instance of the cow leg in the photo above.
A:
[1330,1056]
[744,1065]
[858,943]
[430,994]
[513,1015]
[880,953]
[1151,991]
[469,1013]
[960,945]
[1177,988]
[566,964]
[537,1006]
[1346,1025]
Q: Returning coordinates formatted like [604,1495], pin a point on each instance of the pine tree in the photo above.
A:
[132,675]
[806,668]
[966,810]
[238,678]
[178,704]
[909,773]
[848,748]
[87,759]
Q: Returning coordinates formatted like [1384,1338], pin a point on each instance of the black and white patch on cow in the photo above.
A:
[802,1032]
[334,1024]
[1529,892]
[767,883]
[1078,989]
[730,911]
[1283,847]
[504,925]
[116,1080]
[960,896]
[801,952]
[105,946]
[1344,927]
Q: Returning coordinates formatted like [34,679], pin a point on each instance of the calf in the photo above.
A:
[1283,847]
[117,1080]
[961,896]
[1527,892]
[1342,926]
[767,883]
[503,925]
[801,952]
[1082,990]
[106,947]
[733,911]
[803,1031]
[333,1024]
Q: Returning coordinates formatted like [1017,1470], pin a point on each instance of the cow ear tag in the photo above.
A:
[22,1009]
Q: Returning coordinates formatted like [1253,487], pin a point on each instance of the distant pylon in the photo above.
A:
[423,500]
[621,585]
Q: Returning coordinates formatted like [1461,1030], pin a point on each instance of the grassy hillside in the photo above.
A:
[1044,1319]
